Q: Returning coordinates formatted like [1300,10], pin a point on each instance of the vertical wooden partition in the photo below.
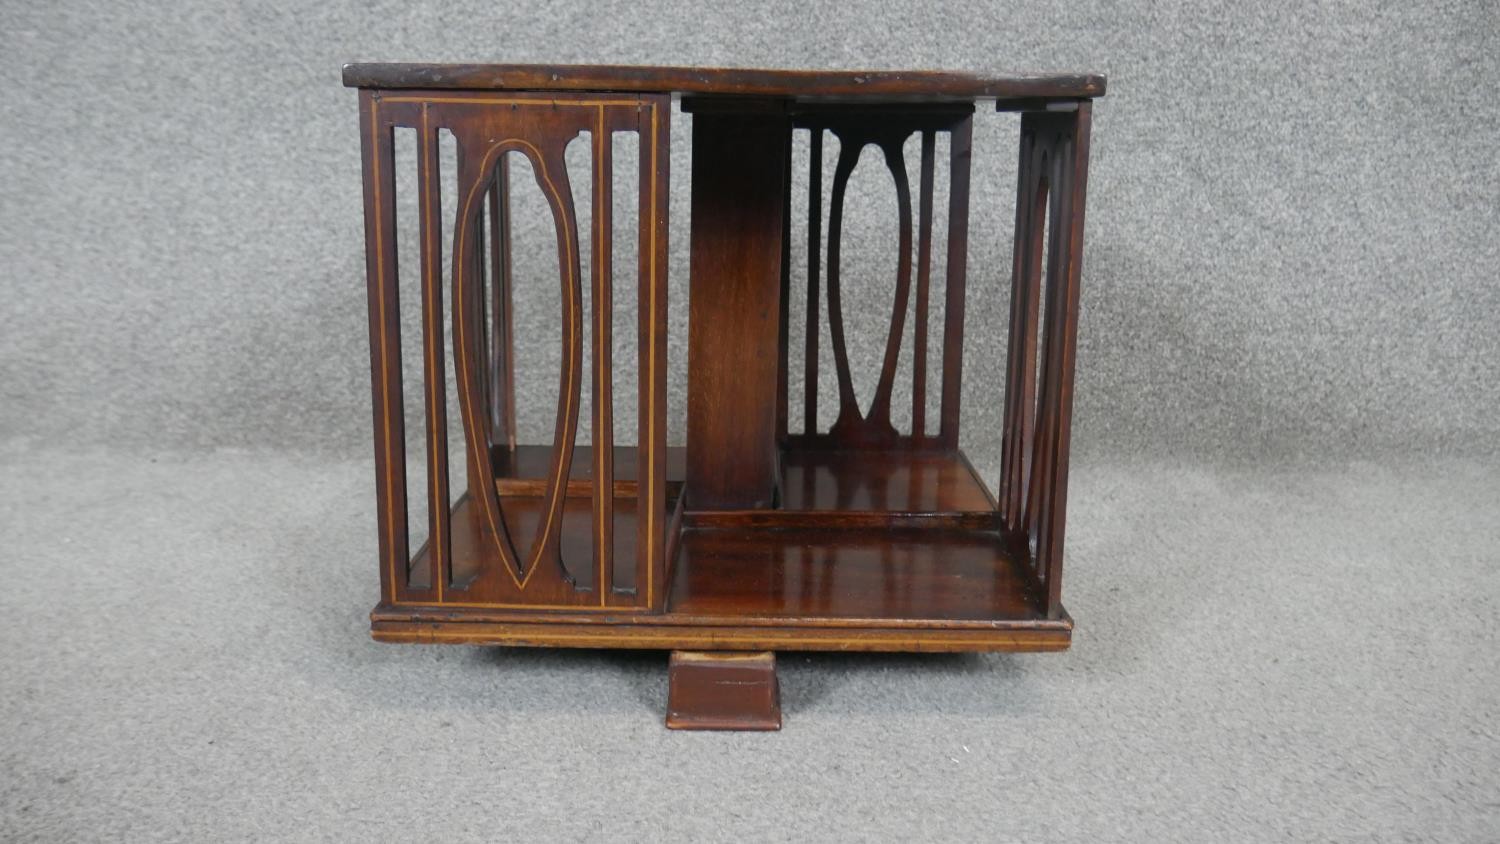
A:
[585,507]
[739,179]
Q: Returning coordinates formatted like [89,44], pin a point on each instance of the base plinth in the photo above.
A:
[723,690]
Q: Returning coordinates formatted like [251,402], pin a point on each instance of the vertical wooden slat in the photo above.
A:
[548,542]
[655,130]
[1037,474]
[1020,381]
[814,261]
[603,400]
[479,267]
[849,150]
[924,282]
[895,162]
[960,147]
[502,349]
[428,182]
[385,345]
[1074,164]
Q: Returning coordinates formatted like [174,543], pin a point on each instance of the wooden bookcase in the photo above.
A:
[767,531]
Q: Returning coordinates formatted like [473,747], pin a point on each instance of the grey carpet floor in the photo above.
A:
[1261,653]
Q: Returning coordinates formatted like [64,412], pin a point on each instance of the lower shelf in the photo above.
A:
[874,552]
[791,590]
[914,576]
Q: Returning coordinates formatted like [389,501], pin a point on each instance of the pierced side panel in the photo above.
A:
[513,548]
[907,336]
[380,249]
[1043,339]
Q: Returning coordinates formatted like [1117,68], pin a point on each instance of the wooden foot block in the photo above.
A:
[723,690]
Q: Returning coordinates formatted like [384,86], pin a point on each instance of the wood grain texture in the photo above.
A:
[905,85]
[502,380]
[653,126]
[751,538]
[930,575]
[887,127]
[385,346]
[738,196]
[1036,431]
[526,561]
[881,481]
[716,690]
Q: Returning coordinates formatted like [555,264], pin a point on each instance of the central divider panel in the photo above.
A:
[734,300]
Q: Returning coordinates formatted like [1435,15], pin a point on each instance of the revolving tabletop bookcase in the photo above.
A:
[771,528]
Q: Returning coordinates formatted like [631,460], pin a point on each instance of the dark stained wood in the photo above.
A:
[826,84]
[1020,382]
[385,347]
[723,690]
[876,520]
[750,538]
[502,348]
[960,152]
[886,126]
[848,157]
[924,284]
[434,359]
[524,471]
[928,575]
[1043,327]
[472,558]
[653,126]
[525,560]
[623,629]
[603,364]
[881,481]
[739,173]
[540,132]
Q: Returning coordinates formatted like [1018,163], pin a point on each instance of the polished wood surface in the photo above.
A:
[638,630]
[723,690]
[739,176]
[818,84]
[576,558]
[522,561]
[925,575]
[769,528]
[523,470]
[906,482]
[1043,337]
[887,128]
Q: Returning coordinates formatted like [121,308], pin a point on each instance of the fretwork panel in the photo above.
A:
[1043,332]
[504,542]
[888,131]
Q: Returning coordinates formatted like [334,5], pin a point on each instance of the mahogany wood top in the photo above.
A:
[757,82]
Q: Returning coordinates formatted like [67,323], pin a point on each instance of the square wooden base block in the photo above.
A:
[723,690]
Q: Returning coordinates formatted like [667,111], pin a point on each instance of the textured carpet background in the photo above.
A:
[1284,517]
[1292,244]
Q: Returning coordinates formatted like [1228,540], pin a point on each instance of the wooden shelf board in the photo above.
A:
[897,552]
[522,513]
[881,481]
[524,470]
[918,575]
